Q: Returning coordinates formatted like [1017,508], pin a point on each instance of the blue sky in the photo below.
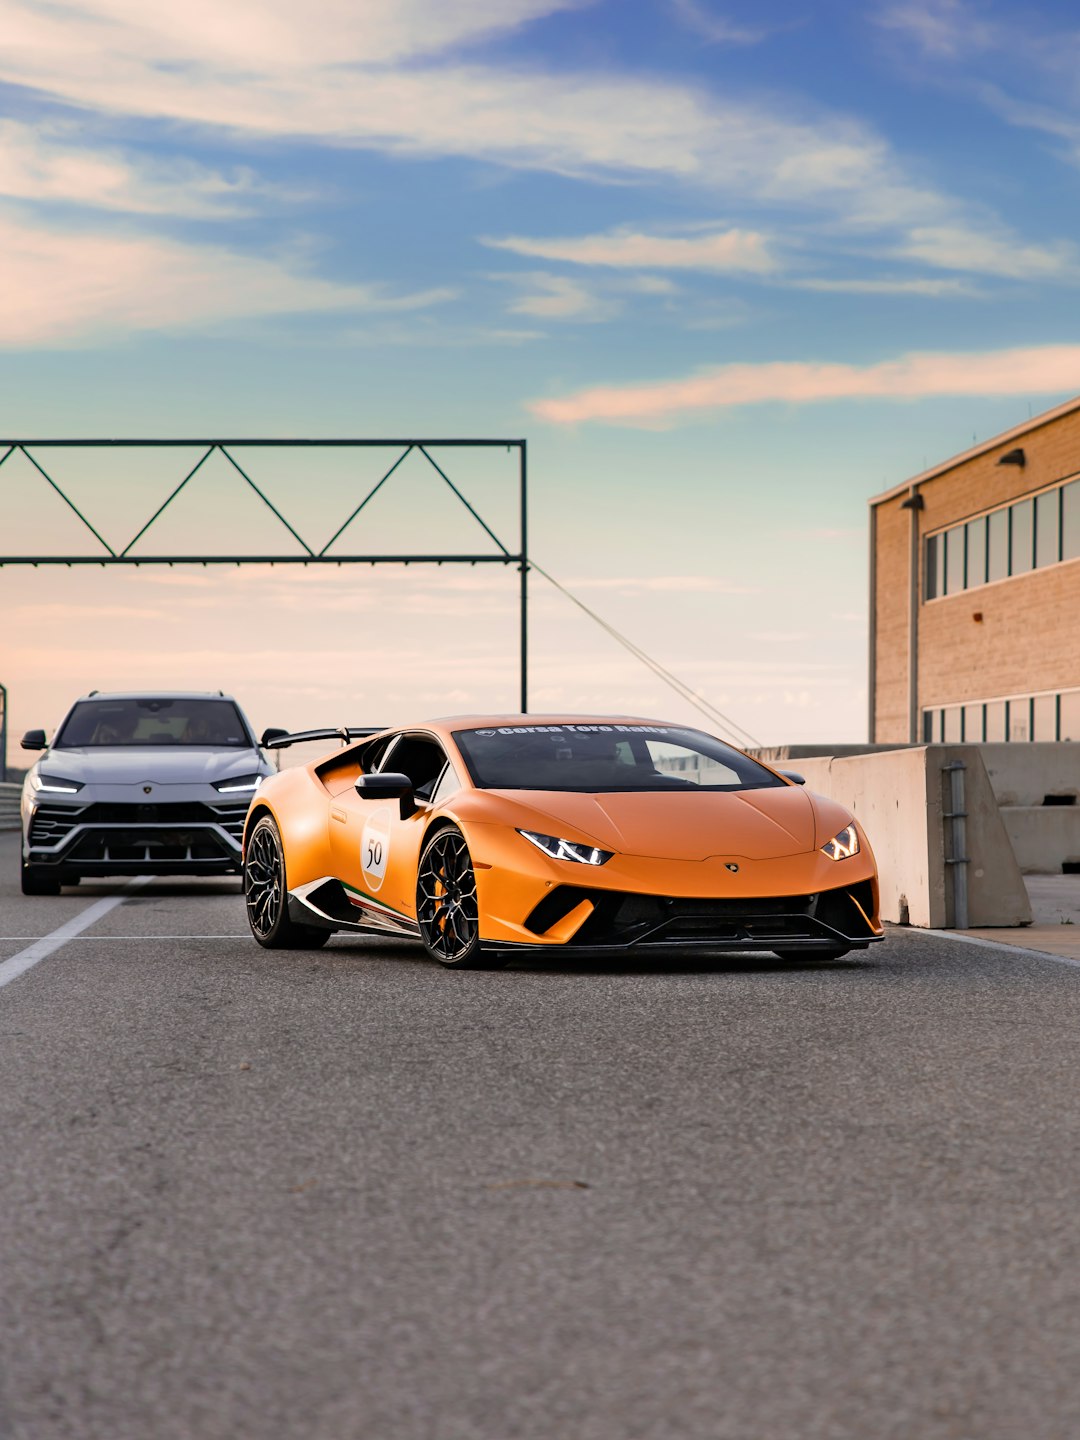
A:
[730,269]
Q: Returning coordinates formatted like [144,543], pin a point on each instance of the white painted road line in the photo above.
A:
[108,939]
[994,945]
[43,948]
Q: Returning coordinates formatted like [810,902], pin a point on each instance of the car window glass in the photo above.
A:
[150,720]
[372,755]
[447,784]
[421,759]
[592,757]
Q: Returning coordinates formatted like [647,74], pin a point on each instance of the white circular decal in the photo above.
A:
[375,848]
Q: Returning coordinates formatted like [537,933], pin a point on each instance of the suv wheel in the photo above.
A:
[38,881]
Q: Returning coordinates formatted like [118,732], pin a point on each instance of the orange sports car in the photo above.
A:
[490,837]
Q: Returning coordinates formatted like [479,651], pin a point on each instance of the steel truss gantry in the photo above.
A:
[108,555]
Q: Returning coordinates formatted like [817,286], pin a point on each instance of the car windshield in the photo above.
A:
[606,757]
[151,721]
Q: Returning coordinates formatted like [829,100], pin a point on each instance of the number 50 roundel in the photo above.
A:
[375,848]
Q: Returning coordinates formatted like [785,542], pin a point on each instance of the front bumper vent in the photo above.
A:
[621,919]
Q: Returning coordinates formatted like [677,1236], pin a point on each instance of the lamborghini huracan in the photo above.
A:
[487,837]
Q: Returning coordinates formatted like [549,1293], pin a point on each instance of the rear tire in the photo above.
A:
[38,881]
[267,896]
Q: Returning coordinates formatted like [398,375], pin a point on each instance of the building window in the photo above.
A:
[1019,720]
[1022,532]
[1027,535]
[1022,718]
[1048,528]
[1044,717]
[976,552]
[997,550]
[997,720]
[954,560]
[973,724]
[933,571]
[1070,521]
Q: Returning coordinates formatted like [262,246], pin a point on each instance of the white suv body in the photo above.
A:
[139,783]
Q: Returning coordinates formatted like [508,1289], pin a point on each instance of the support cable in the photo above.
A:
[735,732]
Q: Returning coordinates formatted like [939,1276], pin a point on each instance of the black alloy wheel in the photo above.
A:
[267,897]
[446,905]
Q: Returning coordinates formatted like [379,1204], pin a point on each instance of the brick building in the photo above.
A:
[975,592]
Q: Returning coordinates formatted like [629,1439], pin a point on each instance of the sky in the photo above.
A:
[731,270]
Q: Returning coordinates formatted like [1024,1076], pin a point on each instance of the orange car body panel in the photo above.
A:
[696,845]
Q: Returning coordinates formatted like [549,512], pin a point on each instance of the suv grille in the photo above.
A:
[51,823]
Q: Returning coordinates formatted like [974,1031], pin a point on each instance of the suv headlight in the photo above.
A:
[54,784]
[238,784]
[842,846]
[567,849]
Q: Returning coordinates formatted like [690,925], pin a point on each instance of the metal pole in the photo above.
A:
[914,503]
[524,501]
[871,686]
[958,860]
[3,733]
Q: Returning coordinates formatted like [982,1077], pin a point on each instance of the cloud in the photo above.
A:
[49,165]
[959,247]
[715,28]
[1039,370]
[722,251]
[554,297]
[388,75]
[256,36]
[941,28]
[924,286]
[65,287]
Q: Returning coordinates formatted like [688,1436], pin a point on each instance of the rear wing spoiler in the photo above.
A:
[279,739]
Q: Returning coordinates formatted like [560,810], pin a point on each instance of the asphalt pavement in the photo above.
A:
[348,1195]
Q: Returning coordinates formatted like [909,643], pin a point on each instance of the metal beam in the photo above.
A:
[308,555]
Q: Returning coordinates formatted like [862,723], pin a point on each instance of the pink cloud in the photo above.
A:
[1036,370]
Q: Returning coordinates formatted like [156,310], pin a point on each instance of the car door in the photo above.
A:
[376,846]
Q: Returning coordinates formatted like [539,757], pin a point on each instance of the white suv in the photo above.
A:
[139,784]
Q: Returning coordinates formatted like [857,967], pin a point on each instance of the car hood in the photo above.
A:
[150,764]
[679,825]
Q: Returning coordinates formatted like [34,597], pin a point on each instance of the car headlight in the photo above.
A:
[238,784]
[54,784]
[842,846]
[567,849]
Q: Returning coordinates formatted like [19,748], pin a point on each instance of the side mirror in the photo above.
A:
[389,786]
[794,777]
[35,740]
[275,732]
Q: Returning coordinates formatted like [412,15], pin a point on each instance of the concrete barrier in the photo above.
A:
[1038,789]
[899,797]
[9,806]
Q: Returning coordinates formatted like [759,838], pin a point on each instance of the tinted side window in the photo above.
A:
[420,758]
[371,755]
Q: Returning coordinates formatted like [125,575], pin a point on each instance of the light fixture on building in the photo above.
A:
[1013,457]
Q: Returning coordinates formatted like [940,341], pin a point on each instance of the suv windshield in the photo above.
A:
[151,721]
[602,757]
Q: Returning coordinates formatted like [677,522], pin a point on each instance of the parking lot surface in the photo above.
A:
[348,1195]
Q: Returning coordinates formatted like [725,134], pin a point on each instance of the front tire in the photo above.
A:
[266,894]
[446,906]
[37,881]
